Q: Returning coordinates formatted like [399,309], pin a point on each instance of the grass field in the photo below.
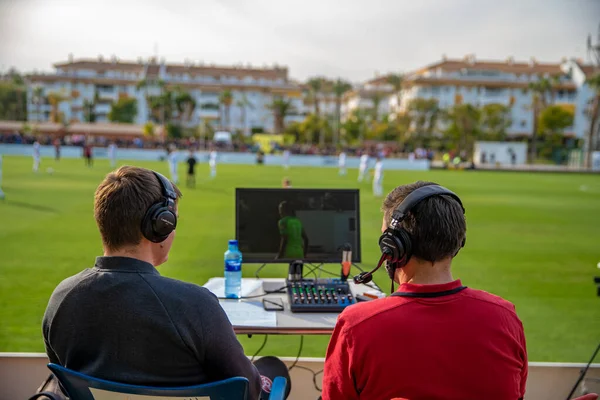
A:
[532,238]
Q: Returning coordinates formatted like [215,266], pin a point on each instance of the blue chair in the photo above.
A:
[83,387]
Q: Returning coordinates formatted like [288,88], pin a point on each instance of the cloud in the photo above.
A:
[348,38]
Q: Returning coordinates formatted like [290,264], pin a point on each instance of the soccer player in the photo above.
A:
[294,242]
[87,154]
[286,183]
[286,159]
[57,149]
[363,167]
[191,175]
[342,163]
[172,160]
[112,154]
[212,162]
[378,178]
[36,156]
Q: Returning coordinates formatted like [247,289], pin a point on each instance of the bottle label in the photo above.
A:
[233,265]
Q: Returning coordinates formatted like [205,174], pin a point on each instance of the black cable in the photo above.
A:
[312,271]
[314,376]
[583,372]
[299,352]
[315,380]
[262,346]
[266,293]
[258,270]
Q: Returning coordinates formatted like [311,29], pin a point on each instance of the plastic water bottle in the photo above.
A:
[233,271]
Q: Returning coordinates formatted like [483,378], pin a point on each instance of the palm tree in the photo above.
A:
[423,114]
[185,104]
[38,99]
[464,125]
[243,103]
[539,101]
[159,106]
[281,108]
[396,81]
[55,98]
[226,98]
[376,98]
[339,87]
[594,83]
[316,86]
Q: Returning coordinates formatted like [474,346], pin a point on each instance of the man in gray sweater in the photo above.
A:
[121,320]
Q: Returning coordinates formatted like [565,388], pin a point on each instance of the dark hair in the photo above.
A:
[437,224]
[287,208]
[120,203]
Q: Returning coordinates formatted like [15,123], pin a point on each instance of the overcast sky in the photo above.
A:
[353,39]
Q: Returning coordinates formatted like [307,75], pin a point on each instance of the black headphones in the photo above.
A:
[395,243]
[160,219]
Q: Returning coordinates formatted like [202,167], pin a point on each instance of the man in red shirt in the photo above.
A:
[433,338]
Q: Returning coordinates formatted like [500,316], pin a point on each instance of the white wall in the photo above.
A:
[499,151]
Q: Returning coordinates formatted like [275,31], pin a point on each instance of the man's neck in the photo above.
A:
[425,273]
[137,253]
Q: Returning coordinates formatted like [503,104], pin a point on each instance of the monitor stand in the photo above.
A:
[295,271]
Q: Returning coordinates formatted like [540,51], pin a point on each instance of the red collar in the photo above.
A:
[416,288]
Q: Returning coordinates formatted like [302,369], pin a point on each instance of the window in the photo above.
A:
[523,123]
[524,91]
[435,90]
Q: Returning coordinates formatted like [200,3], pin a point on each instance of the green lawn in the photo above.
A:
[533,239]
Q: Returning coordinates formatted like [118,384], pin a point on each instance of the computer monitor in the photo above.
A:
[284,225]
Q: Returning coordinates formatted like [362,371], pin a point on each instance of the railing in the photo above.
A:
[22,373]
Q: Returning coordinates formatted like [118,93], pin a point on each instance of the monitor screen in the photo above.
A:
[282,225]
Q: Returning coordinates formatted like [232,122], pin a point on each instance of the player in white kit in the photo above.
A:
[286,159]
[112,154]
[212,162]
[36,156]
[342,163]
[363,167]
[378,178]
[172,159]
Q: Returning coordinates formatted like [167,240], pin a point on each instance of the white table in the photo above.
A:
[289,323]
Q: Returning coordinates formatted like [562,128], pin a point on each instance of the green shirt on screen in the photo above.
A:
[291,227]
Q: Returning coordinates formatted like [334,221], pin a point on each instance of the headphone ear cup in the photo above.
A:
[158,223]
[404,238]
[390,244]
[164,223]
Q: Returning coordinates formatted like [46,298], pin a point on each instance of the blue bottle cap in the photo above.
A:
[233,242]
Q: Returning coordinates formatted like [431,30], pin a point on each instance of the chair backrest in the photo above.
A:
[83,387]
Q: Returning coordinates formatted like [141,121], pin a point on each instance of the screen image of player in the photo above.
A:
[280,225]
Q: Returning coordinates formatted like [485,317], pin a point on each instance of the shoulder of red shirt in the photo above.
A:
[362,312]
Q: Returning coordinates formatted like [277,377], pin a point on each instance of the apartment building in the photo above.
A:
[81,82]
[472,81]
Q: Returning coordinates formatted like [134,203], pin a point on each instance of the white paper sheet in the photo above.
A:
[250,286]
[245,313]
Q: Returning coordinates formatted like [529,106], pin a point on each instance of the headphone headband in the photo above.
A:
[167,187]
[418,196]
